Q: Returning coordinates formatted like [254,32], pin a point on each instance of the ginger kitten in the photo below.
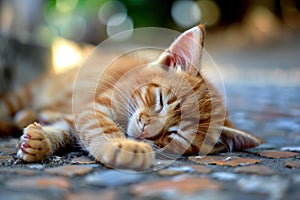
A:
[165,106]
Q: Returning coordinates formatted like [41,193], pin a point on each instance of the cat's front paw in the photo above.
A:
[128,154]
[34,146]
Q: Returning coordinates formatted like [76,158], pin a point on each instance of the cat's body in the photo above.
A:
[136,109]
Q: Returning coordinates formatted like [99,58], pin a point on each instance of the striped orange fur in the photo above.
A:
[137,109]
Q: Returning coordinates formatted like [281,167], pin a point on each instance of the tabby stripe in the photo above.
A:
[3,109]
[103,109]
[9,106]
[174,134]
[205,149]
[92,124]
[146,96]
[69,121]
[199,84]
[172,99]
[90,113]
[177,107]
[103,123]
[92,133]
[192,120]
[103,116]
[107,125]
[27,95]
[67,137]
[19,100]
[140,95]
[194,148]
[183,99]
[210,139]
[154,85]
[196,87]
[110,129]
[104,101]
[187,126]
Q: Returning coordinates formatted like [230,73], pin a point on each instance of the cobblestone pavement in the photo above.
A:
[270,171]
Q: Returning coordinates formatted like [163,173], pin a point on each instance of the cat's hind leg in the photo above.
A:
[39,142]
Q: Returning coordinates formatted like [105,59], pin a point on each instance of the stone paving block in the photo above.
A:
[277,154]
[69,170]
[9,146]
[8,150]
[161,164]
[21,171]
[8,195]
[298,196]
[255,169]
[113,178]
[35,166]
[89,195]
[5,158]
[180,184]
[83,160]
[225,176]
[292,164]
[171,171]
[200,169]
[291,148]
[59,183]
[274,187]
[296,179]
[167,172]
[296,137]
[264,146]
[223,160]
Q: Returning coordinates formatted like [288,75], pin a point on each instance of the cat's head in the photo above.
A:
[177,108]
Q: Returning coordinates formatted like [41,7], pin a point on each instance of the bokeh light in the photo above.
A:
[74,28]
[66,5]
[185,13]
[262,19]
[6,17]
[210,11]
[117,24]
[45,34]
[109,9]
[114,15]
[66,55]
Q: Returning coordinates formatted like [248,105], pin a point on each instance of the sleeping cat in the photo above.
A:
[138,108]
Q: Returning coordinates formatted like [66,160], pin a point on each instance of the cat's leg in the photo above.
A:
[49,116]
[39,142]
[25,117]
[107,143]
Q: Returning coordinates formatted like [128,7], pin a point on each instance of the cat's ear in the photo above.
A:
[185,52]
[234,139]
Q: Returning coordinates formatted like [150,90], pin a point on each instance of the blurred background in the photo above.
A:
[39,35]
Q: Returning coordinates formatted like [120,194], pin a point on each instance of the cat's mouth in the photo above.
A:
[145,135]
[150,132]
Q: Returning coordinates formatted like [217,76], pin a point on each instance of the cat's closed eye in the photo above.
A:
[159,100]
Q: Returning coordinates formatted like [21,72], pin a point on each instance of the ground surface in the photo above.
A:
[271,171]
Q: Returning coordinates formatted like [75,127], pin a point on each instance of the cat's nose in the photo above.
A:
[152,130]
[143,135]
